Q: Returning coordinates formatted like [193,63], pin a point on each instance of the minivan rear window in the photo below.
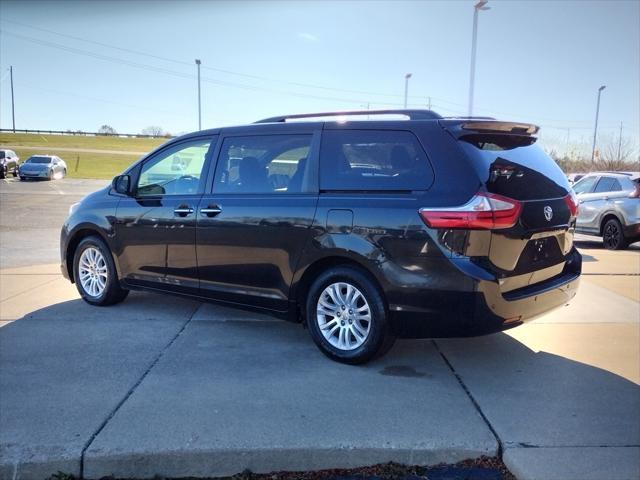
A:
[514,166]
[380,160]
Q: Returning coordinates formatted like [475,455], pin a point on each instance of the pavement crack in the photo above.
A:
[475,404]
[133,389]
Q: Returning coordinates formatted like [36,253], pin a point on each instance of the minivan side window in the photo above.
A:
[381,160]
[585,185]
[263,164]
[175,171]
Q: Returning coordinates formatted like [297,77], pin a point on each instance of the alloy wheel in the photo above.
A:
[343,316]
[611,235]
[93,272]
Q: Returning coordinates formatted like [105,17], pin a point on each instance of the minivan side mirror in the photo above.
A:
[122,184]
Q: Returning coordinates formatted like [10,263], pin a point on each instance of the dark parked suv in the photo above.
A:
[364,230]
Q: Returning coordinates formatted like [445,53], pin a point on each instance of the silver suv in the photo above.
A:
[609,207]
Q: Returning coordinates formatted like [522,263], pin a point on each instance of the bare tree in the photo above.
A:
[617,154]
[107,130]
[154,131]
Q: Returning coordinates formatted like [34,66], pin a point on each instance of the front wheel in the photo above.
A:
[613,235]
[95,273]
[15,172]
[346,316]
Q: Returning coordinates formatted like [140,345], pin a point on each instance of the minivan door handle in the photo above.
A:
[183,211]
[210,211]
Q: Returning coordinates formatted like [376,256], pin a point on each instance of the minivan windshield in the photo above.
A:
[39,160]
[514,166]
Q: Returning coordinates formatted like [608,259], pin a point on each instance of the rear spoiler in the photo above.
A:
[489,126]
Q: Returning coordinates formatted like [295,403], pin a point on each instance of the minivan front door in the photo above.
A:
[254,225]
[156,226]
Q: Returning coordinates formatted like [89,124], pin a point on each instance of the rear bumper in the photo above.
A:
[487,309]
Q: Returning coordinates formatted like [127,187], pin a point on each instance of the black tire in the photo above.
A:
[15,172]
[113,293]
[22,179]
[379,339]
[3,172]
[50,174]
[613,235]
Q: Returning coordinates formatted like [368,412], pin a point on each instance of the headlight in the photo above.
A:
[73,208]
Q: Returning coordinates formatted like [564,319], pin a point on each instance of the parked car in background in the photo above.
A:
[43,166]
[9,163]
[365,230]
[610,207]
[574,177]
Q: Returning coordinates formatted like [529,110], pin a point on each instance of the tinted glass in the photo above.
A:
[263,164]
[1,154]
[176,171]
[585,185]
[514,166]
[607,184]
[39,160]
[615,186]
[373,160]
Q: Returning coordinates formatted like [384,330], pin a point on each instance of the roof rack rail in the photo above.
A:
[412,114]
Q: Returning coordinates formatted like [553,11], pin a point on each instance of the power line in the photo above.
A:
[248,87]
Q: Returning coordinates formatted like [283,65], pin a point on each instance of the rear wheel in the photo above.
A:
[346,316]
[613,235]
[95,273]
[15,171]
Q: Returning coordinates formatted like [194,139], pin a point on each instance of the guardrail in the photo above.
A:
[84,134]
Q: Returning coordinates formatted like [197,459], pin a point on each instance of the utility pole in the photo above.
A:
[481,5]
[406,88]
[595,130]
[13,106]
[199,100]
[429,103]
[620,142]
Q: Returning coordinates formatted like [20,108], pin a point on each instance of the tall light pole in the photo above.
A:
[481,5]
[406,88]
[595,130]
[13,107]
[199,102]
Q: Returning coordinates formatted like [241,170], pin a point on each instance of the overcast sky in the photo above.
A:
[78,65]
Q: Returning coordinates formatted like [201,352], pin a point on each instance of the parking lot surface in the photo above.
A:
[164,386]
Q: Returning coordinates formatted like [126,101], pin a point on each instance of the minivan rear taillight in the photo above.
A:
[572,202]
[483,211]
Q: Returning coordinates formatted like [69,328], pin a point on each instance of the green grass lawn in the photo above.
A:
[90,165]
[80,141]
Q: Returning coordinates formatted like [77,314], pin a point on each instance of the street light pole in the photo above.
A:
[595,130]
[481,5]
[199,100]
[13,107]
[406,88]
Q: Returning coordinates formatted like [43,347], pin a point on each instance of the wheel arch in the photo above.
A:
[605,218]
[315,268]
[74,240]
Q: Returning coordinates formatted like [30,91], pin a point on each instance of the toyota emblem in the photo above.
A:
[548,213]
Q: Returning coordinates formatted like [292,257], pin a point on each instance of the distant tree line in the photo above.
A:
[152,131]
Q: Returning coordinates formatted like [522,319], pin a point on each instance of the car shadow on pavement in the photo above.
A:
[68,366]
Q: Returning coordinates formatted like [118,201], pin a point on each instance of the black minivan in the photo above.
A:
[410,225]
